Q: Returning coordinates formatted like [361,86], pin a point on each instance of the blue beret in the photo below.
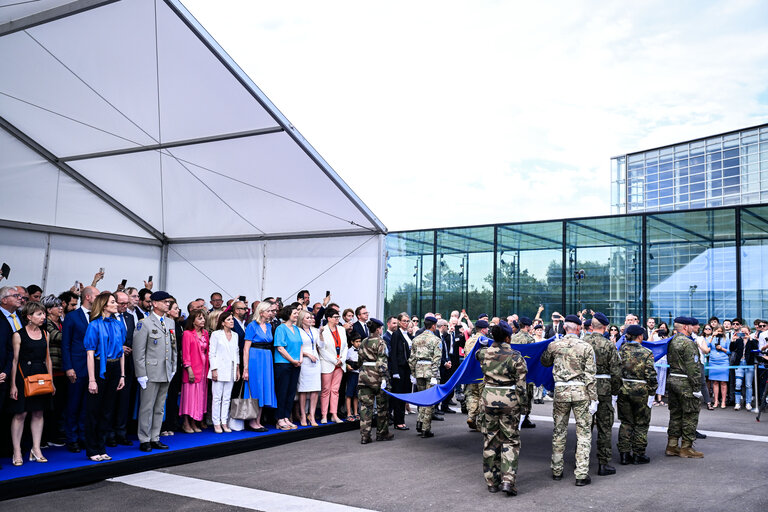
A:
[634,330]
[683,320]
[693,321]
[515,324]
[586,322]
[573,319]
[601,318]
[484,315]
[481,324]
[159,295]
[524,320]
[506,328]
[375,321]
[430,318]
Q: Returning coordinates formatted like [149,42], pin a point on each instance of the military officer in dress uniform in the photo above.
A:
[524,337]
[154,357]
[372,382]
[425,367]
[683,385]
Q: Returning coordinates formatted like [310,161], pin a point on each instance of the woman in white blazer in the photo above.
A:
[333,354]
[224,360]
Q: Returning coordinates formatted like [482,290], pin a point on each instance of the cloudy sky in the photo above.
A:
[458,113]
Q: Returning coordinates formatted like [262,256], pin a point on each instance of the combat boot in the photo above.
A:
[687,451]
[641,458]
[580,482]
[427,433]
[366,440]
[418,427]
[509,488]
[527,423]
[672,449]
[626,458]
[385,437]
[605,470]
[471,424]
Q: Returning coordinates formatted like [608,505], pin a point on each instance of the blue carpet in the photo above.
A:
[61,459]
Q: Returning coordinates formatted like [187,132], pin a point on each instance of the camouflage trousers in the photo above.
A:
[635,417]
[501,447]
[561,411]
[366,397]
[425,413]
[604,421]
[683,409]
[526,409]
[472,393]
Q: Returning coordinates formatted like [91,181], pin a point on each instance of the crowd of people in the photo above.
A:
[110,354]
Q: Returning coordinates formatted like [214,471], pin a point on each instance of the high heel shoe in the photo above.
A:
[18,462]
[35,458]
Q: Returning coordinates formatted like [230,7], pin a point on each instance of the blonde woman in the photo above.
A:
[309,377]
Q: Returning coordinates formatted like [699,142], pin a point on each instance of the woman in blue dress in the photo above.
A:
[719,352]
[258,372]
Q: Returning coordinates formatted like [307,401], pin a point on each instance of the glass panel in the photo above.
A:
[529,268]
[691,264]
[408,273]
[608,250]
[465,276]
[754,263]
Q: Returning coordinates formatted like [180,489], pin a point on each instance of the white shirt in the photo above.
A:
[365,328]
[407,338]
[240,322]
[87,314]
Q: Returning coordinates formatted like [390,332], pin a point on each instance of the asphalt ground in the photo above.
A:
[445,473]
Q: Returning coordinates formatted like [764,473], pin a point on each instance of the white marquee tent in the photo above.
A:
[130,140]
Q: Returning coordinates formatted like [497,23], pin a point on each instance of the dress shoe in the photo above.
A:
[122,441]
[451,402]
[418,427]
[438,411]
[493,488]
[626,458]
[145,447]
[385,437]
[158,445]
[427,433]
[699,435]
[527,423]
[509,488]
[366,440]
[111,443]
[404,427]
[642,458]
[557,477]
[449,411]
[74,447]
[435,417]
[605,470]
[580,482]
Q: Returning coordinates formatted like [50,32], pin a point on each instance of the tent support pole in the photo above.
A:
[163,266]
[44,280]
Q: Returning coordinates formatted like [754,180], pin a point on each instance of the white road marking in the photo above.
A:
[709,433]
[227,494]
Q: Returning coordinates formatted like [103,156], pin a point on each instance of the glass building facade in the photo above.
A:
[725,169]
[663,264]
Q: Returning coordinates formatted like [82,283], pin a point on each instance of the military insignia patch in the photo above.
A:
[138,327]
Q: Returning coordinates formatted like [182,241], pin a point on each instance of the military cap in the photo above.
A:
[515,324]
[524,320]
[634,330]
[506,328]
[430,318]
[159,295]
[573,319]
[586,322]
[481,324]
[683,320]
[483,315]
[601,318]
[376,322]
[692,321]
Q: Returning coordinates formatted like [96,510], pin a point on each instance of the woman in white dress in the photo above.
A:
[309,377]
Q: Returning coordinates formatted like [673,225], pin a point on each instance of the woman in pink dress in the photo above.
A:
[194,387]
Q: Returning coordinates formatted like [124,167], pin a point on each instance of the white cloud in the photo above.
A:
[431,110]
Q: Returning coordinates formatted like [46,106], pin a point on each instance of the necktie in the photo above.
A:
[122,319]
[367,333]
[15,322]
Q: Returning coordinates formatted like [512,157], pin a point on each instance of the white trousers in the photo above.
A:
[222,392]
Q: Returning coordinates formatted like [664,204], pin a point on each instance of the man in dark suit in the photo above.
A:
[10,322]
[399,369]
[446,363]
[73,360]
[361,327]
[126,397]
[556,327]
[239,309]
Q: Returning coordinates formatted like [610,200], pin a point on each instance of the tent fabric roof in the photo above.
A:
[131,104]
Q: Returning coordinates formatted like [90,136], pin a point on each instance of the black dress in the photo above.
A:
[32,355]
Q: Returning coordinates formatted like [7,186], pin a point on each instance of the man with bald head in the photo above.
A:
[126,396]
[73,359]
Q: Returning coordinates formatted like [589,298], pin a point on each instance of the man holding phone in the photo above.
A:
[556,327]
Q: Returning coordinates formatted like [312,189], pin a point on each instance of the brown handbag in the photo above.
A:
[41,383]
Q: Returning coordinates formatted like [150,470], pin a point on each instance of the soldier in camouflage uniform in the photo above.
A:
[608,383]
[523,337]
[574,375]
[372,355]
[473,391]
[683,384]
[638,389]
[425,367]
[504,396]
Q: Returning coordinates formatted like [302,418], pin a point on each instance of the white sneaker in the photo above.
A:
[548,398]
[738,406]
[749,407]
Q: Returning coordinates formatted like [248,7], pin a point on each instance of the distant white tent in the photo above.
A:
[130,140]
